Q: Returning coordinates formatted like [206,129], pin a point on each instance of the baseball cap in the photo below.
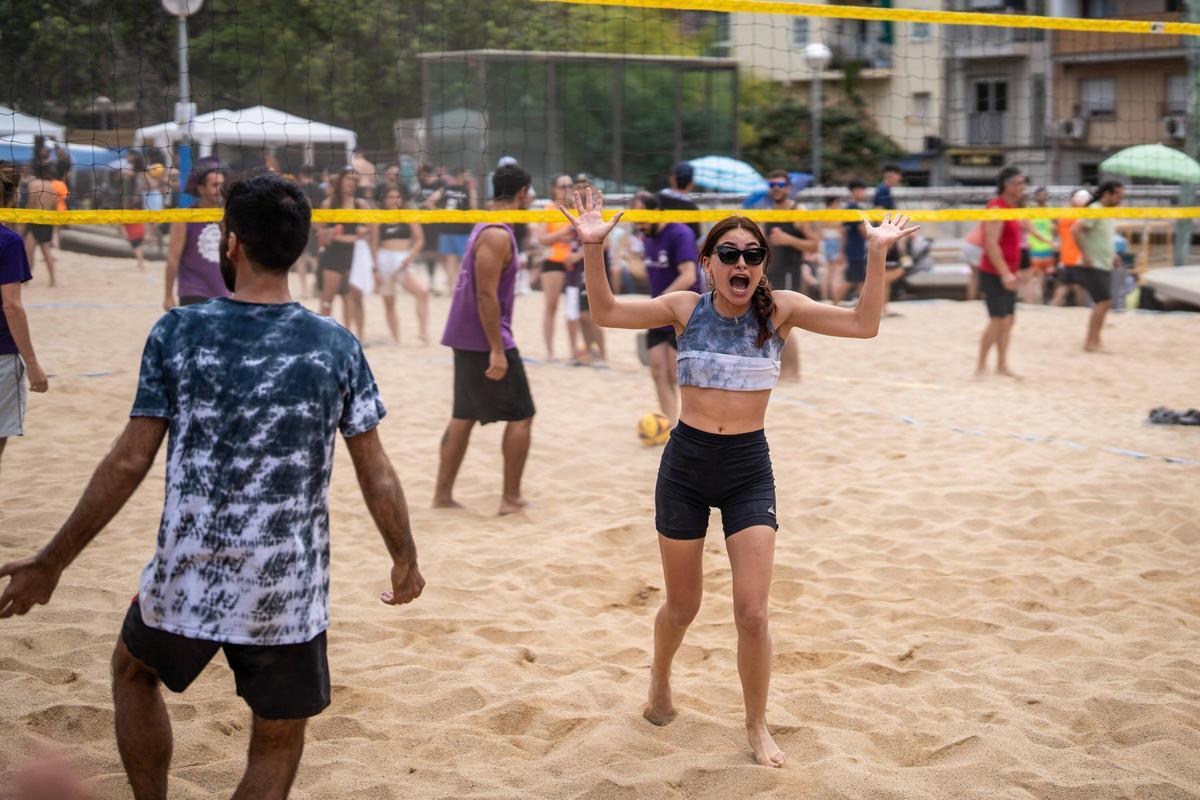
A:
[506,161]
[683,173]
[1081,198]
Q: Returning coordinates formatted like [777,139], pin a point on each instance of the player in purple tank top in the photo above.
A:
[489,378]
[193,256]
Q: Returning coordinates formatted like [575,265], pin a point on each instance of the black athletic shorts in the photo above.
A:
[1098,283]
[553,266]
[284,681]
[41,233]
[484,400]
[337,257]
[856,272]
[701,470]
[786,276]
[656,336]
[1070,276]
[1025,262]
[192,299]
[1000,301]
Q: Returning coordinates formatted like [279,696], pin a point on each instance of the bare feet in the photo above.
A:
[1007,373]
[766,752]
[512,505]
[446,502]
[659,708]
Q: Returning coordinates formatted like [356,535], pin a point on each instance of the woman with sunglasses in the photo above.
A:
[730,340]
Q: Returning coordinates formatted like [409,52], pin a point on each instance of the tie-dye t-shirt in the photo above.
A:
[254,394]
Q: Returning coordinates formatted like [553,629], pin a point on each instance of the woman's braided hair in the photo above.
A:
[763,305]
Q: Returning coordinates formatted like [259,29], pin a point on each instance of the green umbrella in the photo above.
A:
[1153,161]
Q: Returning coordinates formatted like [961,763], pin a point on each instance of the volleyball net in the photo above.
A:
[429,97]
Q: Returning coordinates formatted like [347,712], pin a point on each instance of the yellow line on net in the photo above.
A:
[907,15]
[365,216]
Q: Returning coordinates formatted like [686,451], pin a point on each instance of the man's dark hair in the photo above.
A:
[892,168]
[1004,176]
[271,217]
[779,173]
[507,182]
[1106,187]
[683,174]
[855,184]
[649,201]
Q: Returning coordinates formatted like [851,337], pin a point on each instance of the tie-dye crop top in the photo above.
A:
[717,352]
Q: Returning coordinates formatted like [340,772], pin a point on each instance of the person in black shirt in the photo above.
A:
[675,196]
[791,244]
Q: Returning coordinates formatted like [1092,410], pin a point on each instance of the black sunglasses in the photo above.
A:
[730,254]
[777,184]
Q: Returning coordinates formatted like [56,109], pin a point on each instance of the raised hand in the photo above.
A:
[890,230]
[588,221]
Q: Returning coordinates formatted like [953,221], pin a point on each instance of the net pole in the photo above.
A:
[1191,144]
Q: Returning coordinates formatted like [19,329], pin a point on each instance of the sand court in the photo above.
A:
[982,588]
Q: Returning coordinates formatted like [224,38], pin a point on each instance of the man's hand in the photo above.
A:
[497,365]
[38,382]
[32,582]
[1009,279]
[169,302]
[407,585]
[778,238]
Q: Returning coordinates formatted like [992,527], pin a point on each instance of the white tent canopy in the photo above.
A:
[257,126]
[14,122]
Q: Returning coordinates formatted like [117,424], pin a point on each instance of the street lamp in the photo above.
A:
[817,56]
[185,109]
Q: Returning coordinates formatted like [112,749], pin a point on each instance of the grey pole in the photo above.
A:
[1191,146]
[815,102]
[185,90]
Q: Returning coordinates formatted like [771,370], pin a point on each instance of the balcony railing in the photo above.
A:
[869,55]
[973,41]
[1089,44]
[986,127]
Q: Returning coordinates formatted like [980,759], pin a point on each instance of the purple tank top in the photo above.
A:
[200,264]
[464,331]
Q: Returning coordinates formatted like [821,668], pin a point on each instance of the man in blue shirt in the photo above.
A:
[252,390]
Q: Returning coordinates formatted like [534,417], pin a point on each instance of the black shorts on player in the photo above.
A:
[477,397]
[657,336]
[284,681]
[1000,301]
[1097,282]
[701,470]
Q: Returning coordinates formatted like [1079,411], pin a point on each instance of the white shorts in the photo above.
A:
[572,305]
[390,269]
[12,396]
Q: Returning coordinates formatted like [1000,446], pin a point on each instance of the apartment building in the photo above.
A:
[1115,90]
[897,69]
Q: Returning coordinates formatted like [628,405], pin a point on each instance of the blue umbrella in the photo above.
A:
[725,174]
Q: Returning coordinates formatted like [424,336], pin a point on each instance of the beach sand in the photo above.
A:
[979,591]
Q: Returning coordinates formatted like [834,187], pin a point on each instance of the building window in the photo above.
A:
[1099,9]
[991,96]
[1037,111]
[1099,97]
[921,31]
[799,31]
[922,103]
[1177,86]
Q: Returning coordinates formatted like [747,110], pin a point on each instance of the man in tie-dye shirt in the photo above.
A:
[252,390]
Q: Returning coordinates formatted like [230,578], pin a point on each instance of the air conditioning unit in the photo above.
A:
[1174,126]
[1073,128]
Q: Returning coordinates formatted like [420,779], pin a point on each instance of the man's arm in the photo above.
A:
[174,254]
[385,500]
[781,238]
[492,253]
[685,280]
[18,325]
[112,484]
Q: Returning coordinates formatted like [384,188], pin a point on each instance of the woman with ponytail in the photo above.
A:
[17,359]
[730,340]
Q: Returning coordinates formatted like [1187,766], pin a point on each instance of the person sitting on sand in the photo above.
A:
[253,389]
[730,341]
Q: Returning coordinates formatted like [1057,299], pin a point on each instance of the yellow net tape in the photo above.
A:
[23,215]
[909,15]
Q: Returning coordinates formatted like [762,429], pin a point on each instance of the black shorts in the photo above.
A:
[484,400]
[856,272]
[40,233]
[786,276]
[285,681]
[134,244]
[553,266]
[192,299]
[337,257]
[1026,262]
[657,336]
[701,470]
[1000,301]
[1069,276]
[1098,283]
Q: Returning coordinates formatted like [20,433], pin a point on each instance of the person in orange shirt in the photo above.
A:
[1068,256]
[557,237]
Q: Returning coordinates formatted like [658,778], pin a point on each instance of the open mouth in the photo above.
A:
[740,283]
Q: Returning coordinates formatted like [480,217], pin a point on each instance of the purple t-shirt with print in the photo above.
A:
[14,268]
[665,251]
